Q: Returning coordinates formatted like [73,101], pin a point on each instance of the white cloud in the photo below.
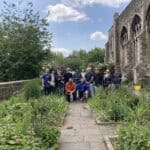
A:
[98,36]
[112,3]
[64,51]
[61,13]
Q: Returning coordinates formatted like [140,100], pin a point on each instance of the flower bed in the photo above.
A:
[130,111]
[33,123]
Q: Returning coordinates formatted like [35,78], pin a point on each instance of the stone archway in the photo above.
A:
[136,26]
[147,50]
[135,32]
[148,20]
[124,40]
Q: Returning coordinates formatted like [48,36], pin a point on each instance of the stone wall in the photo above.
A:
[128,44]
[8,89]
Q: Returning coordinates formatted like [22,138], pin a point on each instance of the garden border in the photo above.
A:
[108,143]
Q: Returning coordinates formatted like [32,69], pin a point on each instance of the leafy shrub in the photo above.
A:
[117,109]
[51,109]
[32,89]
[133,137]
[146,89]
[11,139]
[19,121]
[99,101]
[140,113]
[49,135]
[120,105]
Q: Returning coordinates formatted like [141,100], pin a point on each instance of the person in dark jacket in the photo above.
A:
[89,78]
[67,75]
[46,82]
[59,82]
[77,76]
[98,78]
[107,80]
[117,77]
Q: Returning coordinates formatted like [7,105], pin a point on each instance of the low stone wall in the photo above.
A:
[8,89]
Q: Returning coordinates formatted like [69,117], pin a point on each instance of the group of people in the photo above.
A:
[79,85]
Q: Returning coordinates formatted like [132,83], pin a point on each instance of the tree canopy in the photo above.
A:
[23,36]
[80,59]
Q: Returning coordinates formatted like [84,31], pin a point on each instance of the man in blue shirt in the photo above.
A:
[82,90]
[45,82]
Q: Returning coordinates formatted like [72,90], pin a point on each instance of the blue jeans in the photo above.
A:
[91,89]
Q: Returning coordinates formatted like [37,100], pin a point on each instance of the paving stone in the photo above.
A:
[71,139]
[75,146]
[80,132]
[97,146]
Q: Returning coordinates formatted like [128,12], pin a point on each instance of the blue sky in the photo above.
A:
[78,24]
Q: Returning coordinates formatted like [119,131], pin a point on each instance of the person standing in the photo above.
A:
[77,76]
[98,78]
[67,75]
[52,81]
[107,80]
[83,73]
[45,82]
[59,82]
[89,77]
[117,77]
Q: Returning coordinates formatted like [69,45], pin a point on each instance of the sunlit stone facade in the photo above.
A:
[128,46]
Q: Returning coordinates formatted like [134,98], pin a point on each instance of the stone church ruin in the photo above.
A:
[128,46]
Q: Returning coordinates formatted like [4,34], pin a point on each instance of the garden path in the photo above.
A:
[80,132]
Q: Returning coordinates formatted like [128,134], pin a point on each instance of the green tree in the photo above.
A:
[23,36]
[96,55]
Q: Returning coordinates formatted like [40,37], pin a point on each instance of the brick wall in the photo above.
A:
[8,89]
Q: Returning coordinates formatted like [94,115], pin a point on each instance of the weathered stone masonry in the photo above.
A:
[128,46]
[8,89]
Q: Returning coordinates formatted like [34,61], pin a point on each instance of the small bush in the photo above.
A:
[32,89]
[51,109]
[30,125]
[11,139]
[133,137]
[49,135]
[120,105]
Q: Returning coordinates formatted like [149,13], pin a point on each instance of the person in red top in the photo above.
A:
[70,90]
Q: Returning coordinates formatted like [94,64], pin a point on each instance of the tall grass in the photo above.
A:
[119,105]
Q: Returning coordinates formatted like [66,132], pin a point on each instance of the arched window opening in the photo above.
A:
[148,20]
[136,25]
[124,35]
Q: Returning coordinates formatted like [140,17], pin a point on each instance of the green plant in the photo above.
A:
[146,89]
[120,105]
[117,109]
[49,135]
[141,111]
[11,139]
[32,89]
[30,125]
[133,137]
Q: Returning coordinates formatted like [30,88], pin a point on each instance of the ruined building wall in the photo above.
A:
[132,37]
